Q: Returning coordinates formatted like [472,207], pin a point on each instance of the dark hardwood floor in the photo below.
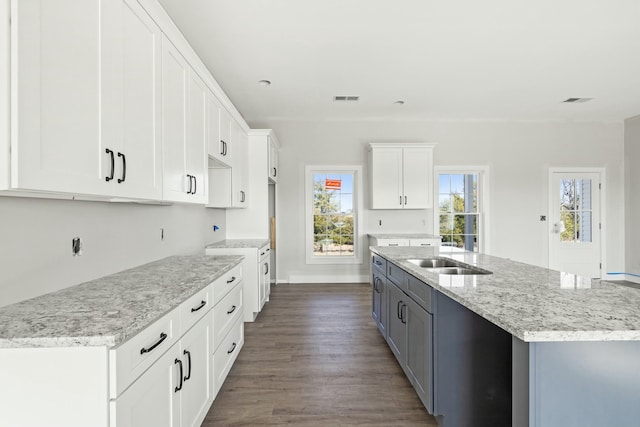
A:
[315,358]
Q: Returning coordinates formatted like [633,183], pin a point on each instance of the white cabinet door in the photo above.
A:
[239,172]
[386,178]
[196,144]
[130,94]
[197,391]
[56,97]
[175,74]
[226,138]
[152,401]
[417,178]
[218,128]
[273,161]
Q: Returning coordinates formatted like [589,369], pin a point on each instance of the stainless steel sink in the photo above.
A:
[433,262]
[447,266]
[460,270]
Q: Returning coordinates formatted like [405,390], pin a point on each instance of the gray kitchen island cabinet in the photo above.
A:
[409,329]
[523,347]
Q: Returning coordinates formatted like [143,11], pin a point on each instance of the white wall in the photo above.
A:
[518,155]
[632,197]
[35,240]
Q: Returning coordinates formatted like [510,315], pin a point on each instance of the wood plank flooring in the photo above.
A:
[314,357]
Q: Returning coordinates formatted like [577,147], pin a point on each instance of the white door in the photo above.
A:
[574,223]
[197,393]
[417,175]
[175,73]
[386,178]
[152,400]
[196,148]
[55,83]
[131,99]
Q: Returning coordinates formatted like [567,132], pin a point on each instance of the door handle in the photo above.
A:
[233,308]
[195,184]
[405,200]
[224,148]
[266,265]
[190,184]
[178,388]
[188,354]
[144,350]
[124,168]
[113,165]
[403,313]
[202,304]
[233,347]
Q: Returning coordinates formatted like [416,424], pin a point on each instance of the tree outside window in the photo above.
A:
[333,215]
[458,205]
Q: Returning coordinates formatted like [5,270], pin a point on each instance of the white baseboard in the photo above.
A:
[627,277]
[327,278]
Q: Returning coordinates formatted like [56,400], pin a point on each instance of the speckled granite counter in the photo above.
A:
[403,236]
[532,303]
[107,311]
[240,243]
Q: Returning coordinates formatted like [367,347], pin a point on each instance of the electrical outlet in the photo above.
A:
[76,246]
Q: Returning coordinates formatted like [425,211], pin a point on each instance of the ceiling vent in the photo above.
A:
[576,100]
[346,98]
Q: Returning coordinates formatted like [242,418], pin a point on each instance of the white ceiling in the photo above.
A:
[447,59]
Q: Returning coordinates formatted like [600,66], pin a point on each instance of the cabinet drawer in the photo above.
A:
[424,242]
[396,275]
[420,292]
[227,353]
[194,308]
[379,262]
[225,314]
[264,252]
[129,360]
[393,242]
[224,284]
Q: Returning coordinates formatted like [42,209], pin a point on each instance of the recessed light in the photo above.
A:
[264,82]
[398,103]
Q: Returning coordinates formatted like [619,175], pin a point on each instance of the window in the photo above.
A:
[460,205]
[333,201]
[575,210]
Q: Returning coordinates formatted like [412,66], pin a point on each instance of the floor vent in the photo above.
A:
[346,98]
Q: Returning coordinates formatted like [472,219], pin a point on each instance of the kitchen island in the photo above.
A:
[563,350]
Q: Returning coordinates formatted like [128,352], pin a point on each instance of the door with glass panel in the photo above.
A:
[574,223]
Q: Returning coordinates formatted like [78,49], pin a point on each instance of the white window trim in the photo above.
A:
[484,224]
[357,209]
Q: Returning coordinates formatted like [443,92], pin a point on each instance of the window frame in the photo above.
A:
[483,200]
[356,170]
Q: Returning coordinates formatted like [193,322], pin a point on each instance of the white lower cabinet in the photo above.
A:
[167,375]
[178,388]
[256,276]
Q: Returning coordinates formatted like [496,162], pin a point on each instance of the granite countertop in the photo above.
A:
[531,303]
[239,244]
[107,311]
[403,236]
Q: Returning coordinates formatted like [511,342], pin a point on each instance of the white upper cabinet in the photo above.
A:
[56,97]
[400,176]
[273,160]
[183,129]
[196,147]
[240,171]
[218,132]
[131,116]
[85,91]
